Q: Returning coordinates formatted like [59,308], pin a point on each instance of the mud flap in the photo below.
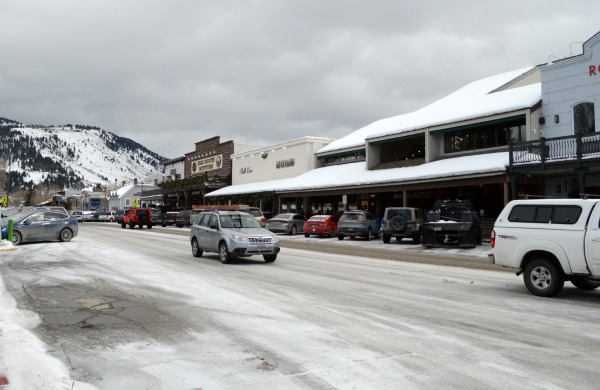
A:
[428,238]
[469,239]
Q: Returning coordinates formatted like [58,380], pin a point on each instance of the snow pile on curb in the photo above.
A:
[6,245]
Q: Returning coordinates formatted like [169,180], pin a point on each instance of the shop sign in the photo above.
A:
[594,70]
[207,164]
[286,163]
[245,170]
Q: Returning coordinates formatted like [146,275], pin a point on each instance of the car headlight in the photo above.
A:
[274,238]
[239,237]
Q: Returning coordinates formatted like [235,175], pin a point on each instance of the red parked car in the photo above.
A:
[321,225]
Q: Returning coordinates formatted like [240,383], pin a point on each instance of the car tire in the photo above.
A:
[542,278]
[387,238]
[417,238]
[224,254]
[306,235]
[294,230]
[17,238]
[131,225]
[340,237]
[123,225]
[368,237]
[149,226]
[398,224]
[65,235]
[196,251]
[270,258]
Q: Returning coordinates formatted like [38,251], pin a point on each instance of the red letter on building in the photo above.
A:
[592,70]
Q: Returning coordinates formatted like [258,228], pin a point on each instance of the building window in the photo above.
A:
[127,202]
[337,159]
[484,137]
[584,118]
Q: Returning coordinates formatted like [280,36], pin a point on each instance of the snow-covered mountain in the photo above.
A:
[72,156]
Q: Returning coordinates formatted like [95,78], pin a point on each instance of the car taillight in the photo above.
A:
[493,238]
[361,219]
[263,220]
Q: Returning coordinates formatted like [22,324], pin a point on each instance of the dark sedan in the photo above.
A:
[286,223]
[40,225]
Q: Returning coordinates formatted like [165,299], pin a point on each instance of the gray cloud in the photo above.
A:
[169,74]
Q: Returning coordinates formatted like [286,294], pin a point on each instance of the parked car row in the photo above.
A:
[93,216]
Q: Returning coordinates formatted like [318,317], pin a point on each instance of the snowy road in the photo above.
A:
[131,309]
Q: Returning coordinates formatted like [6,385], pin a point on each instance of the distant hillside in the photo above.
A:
[71,156]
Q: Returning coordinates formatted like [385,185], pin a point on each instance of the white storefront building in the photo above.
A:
[280,161]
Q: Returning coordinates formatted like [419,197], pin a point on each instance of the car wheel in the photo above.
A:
[340,237]
[149,226]
[368,237]
[270,258]
[294,230]
[224,253]
[131,225]
[123,225]
[17,238]
[65,235]
[306,235]
[196,251]
[542,278]
[163,224]
[387,238]
[398,224]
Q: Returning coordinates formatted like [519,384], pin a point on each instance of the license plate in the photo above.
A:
[437,228]
[314,230]
[262,247]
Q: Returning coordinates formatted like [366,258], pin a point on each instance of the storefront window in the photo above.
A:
[584,118]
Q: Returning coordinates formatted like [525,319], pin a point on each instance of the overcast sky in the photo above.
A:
[171,73]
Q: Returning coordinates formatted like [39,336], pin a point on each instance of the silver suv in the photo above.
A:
[232,234]
[401,222]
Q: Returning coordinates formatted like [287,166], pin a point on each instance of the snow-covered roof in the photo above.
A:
[356,174]
[473,101]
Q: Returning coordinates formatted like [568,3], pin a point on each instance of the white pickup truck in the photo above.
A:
[550,241]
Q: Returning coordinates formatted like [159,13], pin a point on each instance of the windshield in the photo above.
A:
[19,216]
[352,217]
[406,214]
[254,212]
[318,218]
[283,216]
[236,221]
